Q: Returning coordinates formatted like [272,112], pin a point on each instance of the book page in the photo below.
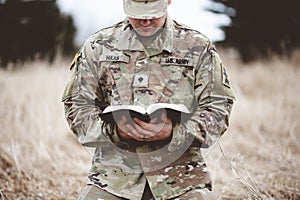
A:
[176,112]
[138,109]
[177,107]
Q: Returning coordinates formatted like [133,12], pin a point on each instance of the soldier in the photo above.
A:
[148,58]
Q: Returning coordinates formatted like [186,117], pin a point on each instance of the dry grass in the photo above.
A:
[258,158]
[35,134]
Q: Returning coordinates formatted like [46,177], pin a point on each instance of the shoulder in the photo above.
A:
[189,35]
[104,37]
[107,32]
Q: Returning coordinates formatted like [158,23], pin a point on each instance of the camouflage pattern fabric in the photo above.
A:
[92,192]
[180,66]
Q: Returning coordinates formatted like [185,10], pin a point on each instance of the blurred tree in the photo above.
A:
[34,29]
[260,28]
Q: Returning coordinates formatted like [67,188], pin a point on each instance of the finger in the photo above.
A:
[163,117]
[143,123]
[163,132]
[147,125]
[153,121]
[157,137]
[122,121]
[148,129]
[123,132]
[133,132]
[145,132]
[122,124]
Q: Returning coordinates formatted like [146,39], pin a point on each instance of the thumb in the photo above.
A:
[163,117]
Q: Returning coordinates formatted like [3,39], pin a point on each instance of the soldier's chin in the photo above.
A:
[148,32]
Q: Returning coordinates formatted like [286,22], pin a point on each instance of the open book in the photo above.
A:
[177,112]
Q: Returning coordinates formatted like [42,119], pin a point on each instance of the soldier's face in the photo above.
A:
[147,27]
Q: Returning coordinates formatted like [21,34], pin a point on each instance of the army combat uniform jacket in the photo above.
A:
[180,66]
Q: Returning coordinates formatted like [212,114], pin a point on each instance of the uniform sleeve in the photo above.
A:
[214,99]
[84,100]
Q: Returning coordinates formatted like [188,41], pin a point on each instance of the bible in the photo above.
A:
[176,112]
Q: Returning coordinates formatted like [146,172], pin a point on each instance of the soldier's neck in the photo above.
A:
[146,41]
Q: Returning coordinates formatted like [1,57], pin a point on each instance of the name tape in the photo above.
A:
[115,58]
[177,61]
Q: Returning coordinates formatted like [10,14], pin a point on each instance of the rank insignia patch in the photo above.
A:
[140,80]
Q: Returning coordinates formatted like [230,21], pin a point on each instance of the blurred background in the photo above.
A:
[47,28]
[257,158]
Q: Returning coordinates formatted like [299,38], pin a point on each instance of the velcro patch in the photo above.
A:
[141,80]
[177,61]
[115,58]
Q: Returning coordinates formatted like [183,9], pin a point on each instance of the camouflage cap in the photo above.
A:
[145,9]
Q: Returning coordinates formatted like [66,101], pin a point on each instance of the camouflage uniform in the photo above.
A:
[179,66]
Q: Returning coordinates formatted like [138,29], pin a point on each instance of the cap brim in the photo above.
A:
[142,10]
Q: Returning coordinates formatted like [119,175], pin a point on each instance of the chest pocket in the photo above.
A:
[179,86]
[116,77]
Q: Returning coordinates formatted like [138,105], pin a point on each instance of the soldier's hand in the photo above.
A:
[126,129]
[154,130]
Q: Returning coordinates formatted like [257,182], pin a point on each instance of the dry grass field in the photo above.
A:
[257,158]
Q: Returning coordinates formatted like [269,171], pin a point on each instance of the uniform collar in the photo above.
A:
[128,40]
